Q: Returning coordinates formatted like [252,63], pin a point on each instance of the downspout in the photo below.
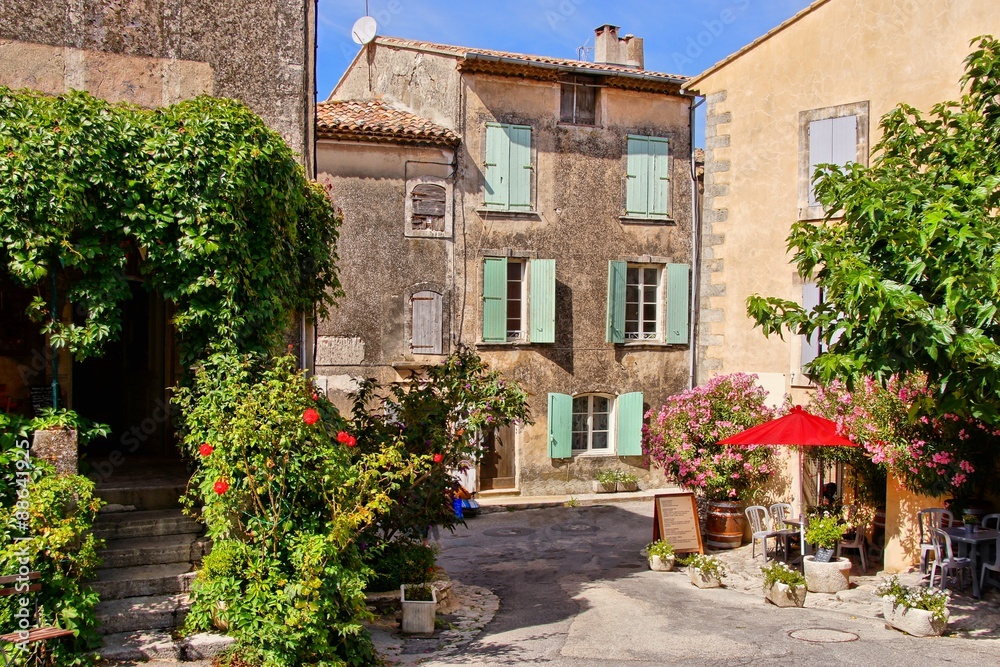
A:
[695,248]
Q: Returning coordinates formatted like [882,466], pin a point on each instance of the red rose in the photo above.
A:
[206,449]
[351,441]
[438,458]
[221,486]
[342,437]
[310,416]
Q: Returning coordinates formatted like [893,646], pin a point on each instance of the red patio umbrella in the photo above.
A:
[796,429]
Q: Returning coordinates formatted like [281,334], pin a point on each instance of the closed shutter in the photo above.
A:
[497,168]
[811,297]
[560,426]
[844,140]
[520,167]
[616,301]
[659,178]
[542,299]
[678,287]
[425,311]
[820,150]
[629,417]
[495,299]
[637,177]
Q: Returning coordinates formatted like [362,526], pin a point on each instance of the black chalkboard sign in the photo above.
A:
[41,398]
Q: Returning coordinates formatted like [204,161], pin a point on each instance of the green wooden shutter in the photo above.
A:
[495,299]
[659,178]
[637,177]
[560,426]
[616,301]
[497,168]
[520,167]
[677,302]
[629,417]
[542,301]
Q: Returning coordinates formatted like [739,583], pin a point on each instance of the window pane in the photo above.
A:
[649,276]
[600,441]
[631,312]
[601,404]
[580,422]
[580,405]
[649,312]
[579,441]
[649,293]
[631,294]
[632,276]
[600,422]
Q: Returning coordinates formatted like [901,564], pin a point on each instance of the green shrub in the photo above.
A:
[399,562]
[660,548]
[606,476]
[779,573]
[710,566]
[914,597]
[825,531]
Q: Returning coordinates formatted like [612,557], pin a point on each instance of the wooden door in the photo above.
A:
[497,469]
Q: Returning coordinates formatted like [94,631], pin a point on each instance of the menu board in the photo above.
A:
[675,519]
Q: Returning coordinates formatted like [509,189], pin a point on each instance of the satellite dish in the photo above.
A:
[364,30]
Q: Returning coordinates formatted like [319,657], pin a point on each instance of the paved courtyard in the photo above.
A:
[572,588]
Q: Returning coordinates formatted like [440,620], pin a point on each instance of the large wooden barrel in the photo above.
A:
[724,525]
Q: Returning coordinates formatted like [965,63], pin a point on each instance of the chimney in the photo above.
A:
[610,50]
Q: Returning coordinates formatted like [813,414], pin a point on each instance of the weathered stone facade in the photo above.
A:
[260,52]
[575,218]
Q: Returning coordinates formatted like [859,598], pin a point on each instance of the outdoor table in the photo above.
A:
[971,544]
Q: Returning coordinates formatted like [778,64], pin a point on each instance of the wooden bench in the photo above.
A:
[35,635]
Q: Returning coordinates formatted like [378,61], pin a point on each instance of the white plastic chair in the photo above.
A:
[930,520]
[859,542]
[780,512]
[757,516]
[946,561]
[992,567]
[991,521]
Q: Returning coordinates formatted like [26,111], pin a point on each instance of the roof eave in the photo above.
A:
[386,138]
[572,69]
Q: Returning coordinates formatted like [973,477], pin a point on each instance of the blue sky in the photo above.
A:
[681,36]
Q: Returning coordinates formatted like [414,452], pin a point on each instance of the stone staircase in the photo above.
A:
[151,552]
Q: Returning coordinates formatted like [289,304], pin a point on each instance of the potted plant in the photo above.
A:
[825,574]
[970,521]
[705,571]
[627,481]
[783,586]
[419,603]
[605,481]
[916,610]
[660,555]
[823,533]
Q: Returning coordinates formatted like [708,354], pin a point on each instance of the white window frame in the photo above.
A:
[520,335]
[639,335]
[611,431]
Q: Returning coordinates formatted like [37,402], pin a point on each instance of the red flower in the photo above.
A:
[315,396]
[351,441]
[342,437]
[206,449]
[438,458]
[310,416]
[221,486]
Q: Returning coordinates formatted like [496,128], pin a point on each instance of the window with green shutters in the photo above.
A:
[507,168]
[647,178]
[519,300]
[637,310]
[595,424]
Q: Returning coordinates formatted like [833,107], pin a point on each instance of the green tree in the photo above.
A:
[907,255]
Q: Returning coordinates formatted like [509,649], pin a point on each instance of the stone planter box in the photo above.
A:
[827,577]
[418,615]
[699,579]
[661,563]
[783,595]
[627,486]
[604,487]
[57,446]
[916,622]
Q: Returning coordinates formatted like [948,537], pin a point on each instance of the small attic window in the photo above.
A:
[578,100]
[429,203]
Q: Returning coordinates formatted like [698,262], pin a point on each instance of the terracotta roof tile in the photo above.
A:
[376,120]
[464,52]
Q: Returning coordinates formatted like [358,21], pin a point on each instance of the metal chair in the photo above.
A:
[757,516]
[991,521]
[946,561]
[930,520]
[780,512]
[992,567]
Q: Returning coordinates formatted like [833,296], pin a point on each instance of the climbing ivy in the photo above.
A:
[205,202]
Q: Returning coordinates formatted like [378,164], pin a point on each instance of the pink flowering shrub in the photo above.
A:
[681,438]
[900,430]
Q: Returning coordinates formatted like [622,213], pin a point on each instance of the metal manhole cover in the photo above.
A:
[823,635]
[576,528]
[513,531]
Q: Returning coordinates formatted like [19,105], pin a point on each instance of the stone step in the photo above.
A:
[154,612]
[139,551]
[144,580]
[160,646]
[137,497]
[149,523]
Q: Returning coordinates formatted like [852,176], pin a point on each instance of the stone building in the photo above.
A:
[536,209]
[810,91]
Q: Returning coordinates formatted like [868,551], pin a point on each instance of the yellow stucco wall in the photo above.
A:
[838,52]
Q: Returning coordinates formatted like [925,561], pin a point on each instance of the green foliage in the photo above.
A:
[825,531]
[914,597]
[437,418]
[606,476]
[660,548]
[201,196]
[419,593]
[55,513]
[777,572]
[285,502]
[626,477]
[399,562]
[906,257]
[709,566]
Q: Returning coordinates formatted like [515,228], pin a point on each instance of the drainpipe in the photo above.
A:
[695,247]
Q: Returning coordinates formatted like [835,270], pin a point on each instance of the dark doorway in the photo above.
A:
[128,387]
[497,469]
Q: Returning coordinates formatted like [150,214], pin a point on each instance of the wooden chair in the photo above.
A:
[14,585]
